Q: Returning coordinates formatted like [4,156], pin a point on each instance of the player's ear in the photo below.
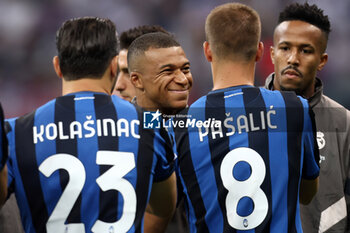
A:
[324,59]
[56,66]
[272,54]
[260,51]
[136,80]
[207,51]
[114,66]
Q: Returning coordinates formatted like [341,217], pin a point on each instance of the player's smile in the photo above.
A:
[168,78]
[180,90]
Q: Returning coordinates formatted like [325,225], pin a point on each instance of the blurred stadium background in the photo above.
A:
[28,28]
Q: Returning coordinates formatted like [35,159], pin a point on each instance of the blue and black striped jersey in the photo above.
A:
[242,152]
[3,141]
[83,163]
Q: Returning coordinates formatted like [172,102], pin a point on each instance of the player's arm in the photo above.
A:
[309,181]
[308,189]
[161,205]
[3,185]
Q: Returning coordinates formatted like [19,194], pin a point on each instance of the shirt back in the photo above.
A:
[83,163]
[241,158]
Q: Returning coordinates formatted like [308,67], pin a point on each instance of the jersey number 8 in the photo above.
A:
[248,188]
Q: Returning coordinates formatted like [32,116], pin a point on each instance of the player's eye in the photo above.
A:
[284,48]
[168,70]
[307,51]
[186,69]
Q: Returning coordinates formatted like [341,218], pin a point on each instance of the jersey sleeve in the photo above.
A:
[9,129]
[311,167]
[171,134]
[165,156]
[3,141]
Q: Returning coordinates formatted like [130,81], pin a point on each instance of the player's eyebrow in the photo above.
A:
[299,45]
[186,63]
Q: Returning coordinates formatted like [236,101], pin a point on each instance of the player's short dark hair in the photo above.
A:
[307,13]
[143,43]
[86,46]
[233,31]
[127,37]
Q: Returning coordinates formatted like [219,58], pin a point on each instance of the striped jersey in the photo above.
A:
[84,163]
[242,152]
[3,141]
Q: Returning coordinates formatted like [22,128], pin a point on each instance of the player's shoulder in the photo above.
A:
[200,102]
[333,110]
[269,92]
[276,93]
[10,122]
[290,98]
[328,102]
[122,103]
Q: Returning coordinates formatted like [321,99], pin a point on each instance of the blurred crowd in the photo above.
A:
[28,30]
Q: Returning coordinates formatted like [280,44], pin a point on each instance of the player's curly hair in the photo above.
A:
[307,13]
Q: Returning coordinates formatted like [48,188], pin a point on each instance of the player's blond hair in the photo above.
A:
[233,31]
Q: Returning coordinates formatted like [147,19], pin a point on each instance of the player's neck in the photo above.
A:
[228,74]
[86,84]
[310,90]
[307,93]
[144,102]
